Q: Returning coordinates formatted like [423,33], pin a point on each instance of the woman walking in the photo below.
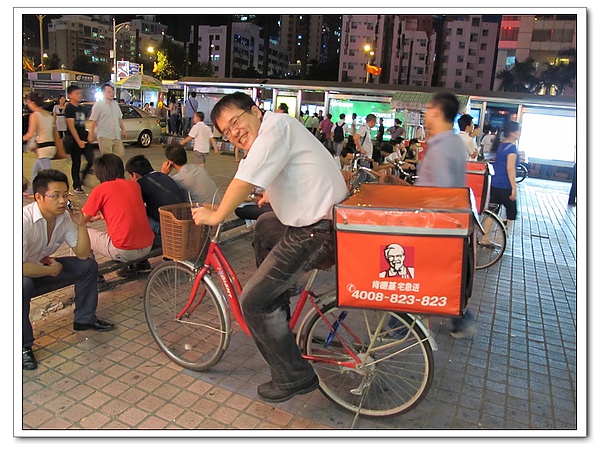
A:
[41,127]
[504,185]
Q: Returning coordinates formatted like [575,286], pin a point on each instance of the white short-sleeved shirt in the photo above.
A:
[366,143]
[470,143]
[391,158]
[35,234]
[107,115]
[302,181]
[201,133]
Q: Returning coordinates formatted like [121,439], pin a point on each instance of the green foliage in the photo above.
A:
[83,63]
[523,76]
[250,72]
[205,69]
[171,61]
[52,62]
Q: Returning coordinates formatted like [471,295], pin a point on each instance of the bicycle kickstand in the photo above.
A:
[362,390]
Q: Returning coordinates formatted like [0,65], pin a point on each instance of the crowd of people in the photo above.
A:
[293,233]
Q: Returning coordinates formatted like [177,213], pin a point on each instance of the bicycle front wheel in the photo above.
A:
[492,242]
[395,364]
[199,338]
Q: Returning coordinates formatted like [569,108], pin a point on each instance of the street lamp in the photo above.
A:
[116,29]
[41,20]
[369,51]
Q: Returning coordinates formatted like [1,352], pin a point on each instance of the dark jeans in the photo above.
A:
[84,273]
[75,151]
[573,191]
[265,300]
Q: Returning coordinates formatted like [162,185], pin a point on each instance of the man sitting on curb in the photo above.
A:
[119,202]
[158,190]
[47,224]
[193,179]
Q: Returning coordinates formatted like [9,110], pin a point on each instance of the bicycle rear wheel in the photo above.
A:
[492,243]
[197,340]
[394,374]
[522,173]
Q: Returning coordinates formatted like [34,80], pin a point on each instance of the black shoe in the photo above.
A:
[29,362]
[143,266]
[98,325]
[269,392]
[127,272]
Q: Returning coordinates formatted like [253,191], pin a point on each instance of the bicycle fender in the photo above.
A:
[425,330]
[222,303]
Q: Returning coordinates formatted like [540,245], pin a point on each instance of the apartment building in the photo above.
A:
[247,49]
[469,51]
[302,36]
[540,37]
[402,45]
[73,35]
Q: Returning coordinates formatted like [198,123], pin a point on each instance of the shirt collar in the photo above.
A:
[440,136]
[37,215]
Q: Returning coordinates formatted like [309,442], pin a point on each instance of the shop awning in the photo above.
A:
[141,82]
[403,100]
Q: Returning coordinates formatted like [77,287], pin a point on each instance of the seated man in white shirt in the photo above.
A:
[47,224]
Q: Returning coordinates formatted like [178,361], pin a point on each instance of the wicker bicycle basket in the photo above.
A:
[181,238]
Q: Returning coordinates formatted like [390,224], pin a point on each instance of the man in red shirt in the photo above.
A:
[119,202]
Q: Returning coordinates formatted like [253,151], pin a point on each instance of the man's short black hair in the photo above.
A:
[109,167]
[106,85]
[45,177]
[464,121]
[448,103]
[345,151]
[386,148]
[176,153]
[238,99]
[139,164]
[72,88]
[200,115]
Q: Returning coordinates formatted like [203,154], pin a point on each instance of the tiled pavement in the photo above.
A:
[516,377]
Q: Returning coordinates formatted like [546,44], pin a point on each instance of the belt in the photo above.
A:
[324,224]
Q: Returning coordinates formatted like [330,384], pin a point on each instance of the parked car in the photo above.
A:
[141,128]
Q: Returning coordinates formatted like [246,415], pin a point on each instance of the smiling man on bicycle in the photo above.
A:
[302,184]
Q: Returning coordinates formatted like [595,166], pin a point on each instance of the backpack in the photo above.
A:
[338,133]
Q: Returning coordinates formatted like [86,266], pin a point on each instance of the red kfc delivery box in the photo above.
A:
[405,248]
[478,178]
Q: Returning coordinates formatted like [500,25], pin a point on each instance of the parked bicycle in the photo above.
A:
[491,241]
[362,364]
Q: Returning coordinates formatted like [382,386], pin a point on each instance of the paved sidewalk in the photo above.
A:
[517,376]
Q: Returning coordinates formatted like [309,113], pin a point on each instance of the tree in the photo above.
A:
[171,61]
[249,72]
[521,77]
[52,62]
[561,74]
[327,71]
[84,64]
[205,69]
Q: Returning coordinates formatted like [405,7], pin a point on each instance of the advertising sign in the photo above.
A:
[404,249]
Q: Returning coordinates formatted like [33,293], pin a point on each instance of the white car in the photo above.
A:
[141,128]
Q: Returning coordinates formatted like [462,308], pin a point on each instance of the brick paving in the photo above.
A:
[517,376]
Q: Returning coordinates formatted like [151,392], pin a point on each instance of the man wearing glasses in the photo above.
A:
[301,183]
[47,224]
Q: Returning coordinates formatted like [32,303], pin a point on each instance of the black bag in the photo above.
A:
[338,133]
